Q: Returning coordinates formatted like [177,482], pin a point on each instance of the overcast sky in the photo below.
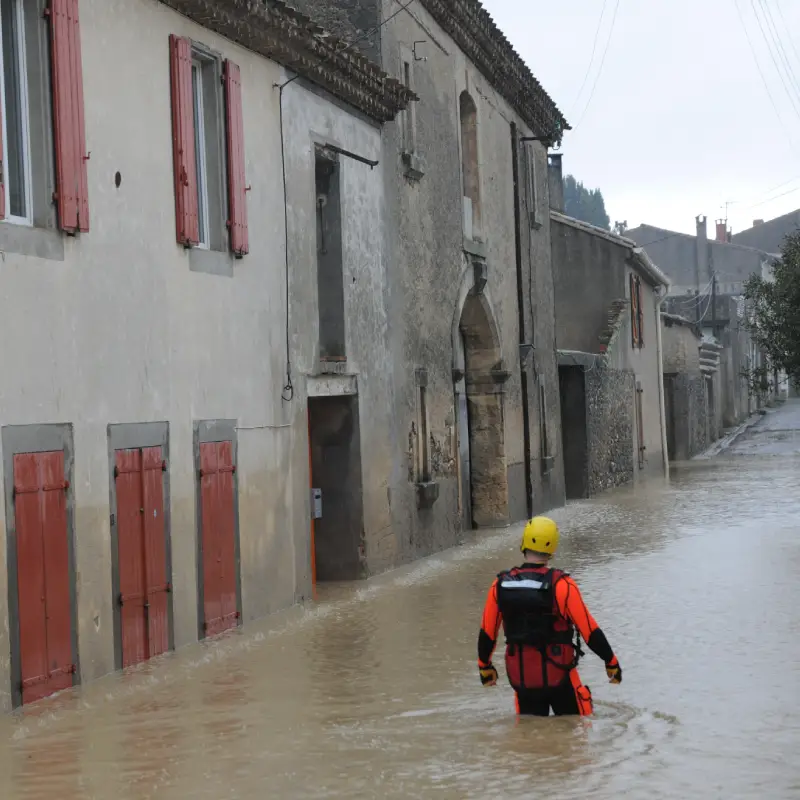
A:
[680,120]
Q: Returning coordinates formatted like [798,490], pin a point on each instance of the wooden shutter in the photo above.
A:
[72,186]
[185,163]
[639,315]
[237,187]
[634,311]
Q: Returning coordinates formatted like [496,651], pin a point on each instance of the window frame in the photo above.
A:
[24,103]
[214,136]
[200,152]
[530,185]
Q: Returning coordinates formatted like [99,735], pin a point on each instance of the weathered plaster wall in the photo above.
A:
[681,348]
[432,276]
[610,427]
[311,119]
[121,330]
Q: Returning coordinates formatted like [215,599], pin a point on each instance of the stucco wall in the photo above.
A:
[681,348]
[122,330]
[312,119]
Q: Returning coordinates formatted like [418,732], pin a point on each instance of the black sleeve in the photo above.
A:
[485,647]
[599,645]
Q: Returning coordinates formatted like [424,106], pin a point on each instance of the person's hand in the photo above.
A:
[614,671]
[488,675]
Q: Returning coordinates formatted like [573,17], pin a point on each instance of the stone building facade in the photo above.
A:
[469,296]
[153,401]
[608,299]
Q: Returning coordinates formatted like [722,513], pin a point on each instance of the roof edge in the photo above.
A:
[278,32]
[646,264]
[472,28]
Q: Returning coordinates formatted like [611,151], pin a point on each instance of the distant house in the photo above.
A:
[692,261]
[608,296]
[769,235]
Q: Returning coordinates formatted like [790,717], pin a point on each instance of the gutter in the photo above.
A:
[661,398]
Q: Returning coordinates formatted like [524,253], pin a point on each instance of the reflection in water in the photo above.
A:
[374,692]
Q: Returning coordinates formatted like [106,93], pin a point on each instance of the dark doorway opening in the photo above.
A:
[336,479]
[572,389]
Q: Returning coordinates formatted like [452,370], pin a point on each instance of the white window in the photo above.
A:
[200,151]
[16,162]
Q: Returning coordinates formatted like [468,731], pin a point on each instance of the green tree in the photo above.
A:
[585,204]
[774,319]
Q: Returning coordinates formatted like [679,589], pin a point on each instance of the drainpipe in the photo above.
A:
[661,296]
[526,421]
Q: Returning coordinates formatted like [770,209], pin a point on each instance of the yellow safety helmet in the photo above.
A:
[540,536]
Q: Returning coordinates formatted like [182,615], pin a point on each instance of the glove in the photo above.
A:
[488,675]
[614,672]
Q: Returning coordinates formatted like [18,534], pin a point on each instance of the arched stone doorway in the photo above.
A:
[479,378]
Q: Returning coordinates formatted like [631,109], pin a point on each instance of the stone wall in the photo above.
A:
[610,427]
[689,421]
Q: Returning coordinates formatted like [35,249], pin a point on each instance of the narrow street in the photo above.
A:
[374,692]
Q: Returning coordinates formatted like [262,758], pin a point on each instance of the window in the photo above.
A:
[470,176]
[208,139]
[42,137]
[637,319]
[16,150]
[530,181]
[330,267]
[201,156]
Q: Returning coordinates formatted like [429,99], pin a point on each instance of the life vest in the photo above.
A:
[541,644]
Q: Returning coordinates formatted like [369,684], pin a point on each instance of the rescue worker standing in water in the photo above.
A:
[542,612]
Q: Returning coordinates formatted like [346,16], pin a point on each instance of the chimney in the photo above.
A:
[555,179]
[701,253]
[722,231]
[757,222]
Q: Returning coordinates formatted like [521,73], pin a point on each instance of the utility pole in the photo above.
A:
[714,305]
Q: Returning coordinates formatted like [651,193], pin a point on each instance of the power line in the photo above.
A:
[775,60]
[776,197]
[781,49]
[600,69]
[787,29]
[763,77]
[591,60]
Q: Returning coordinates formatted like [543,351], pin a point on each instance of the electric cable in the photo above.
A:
[591,60]
[763,76]
[775,60]
[600,69]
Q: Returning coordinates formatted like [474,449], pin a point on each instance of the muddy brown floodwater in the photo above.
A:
[374,692]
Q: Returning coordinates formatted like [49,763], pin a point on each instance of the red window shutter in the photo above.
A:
[72,185]
[640,315]
[237,187]
[185,164]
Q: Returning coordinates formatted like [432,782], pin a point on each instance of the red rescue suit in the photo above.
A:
[541,646]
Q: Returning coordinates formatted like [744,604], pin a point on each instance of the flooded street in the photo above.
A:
[374,692]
